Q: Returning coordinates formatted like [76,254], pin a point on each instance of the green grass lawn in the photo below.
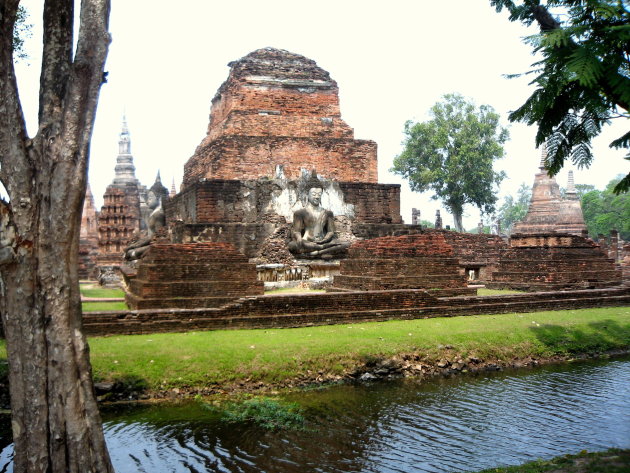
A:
[216,357]
[93,290]
[198,359]
[98,306]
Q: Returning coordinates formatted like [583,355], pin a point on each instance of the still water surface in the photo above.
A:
[449,425]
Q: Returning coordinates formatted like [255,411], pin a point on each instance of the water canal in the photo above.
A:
[464,423]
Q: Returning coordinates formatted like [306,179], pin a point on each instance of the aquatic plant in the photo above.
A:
[265,412]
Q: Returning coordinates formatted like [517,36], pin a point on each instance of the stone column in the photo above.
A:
[415,216]
[614,245]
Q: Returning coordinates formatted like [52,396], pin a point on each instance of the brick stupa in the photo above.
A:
[418,261]
[272,122]
[88,239]
[120,218]
[278,112]
[192,276]
[548,211]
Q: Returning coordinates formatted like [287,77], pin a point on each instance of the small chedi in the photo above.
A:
[191,276]
[418,261]
[548,249]
[121,216]
[548,212]
[88,239]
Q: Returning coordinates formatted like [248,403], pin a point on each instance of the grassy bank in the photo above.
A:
[272,356]
[280,357]
[610,461]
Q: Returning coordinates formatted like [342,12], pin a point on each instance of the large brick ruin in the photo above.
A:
[190,276]
[419,261]
[274,120]
[278,113]
[554,261]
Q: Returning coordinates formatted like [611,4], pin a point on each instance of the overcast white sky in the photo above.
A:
[392,61]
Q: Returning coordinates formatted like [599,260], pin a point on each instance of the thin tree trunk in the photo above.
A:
[55,419]
[457,219]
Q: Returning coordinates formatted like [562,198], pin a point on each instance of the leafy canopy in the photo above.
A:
[452,155]
[604,211]
[512,209]
[21,31]
[583,79]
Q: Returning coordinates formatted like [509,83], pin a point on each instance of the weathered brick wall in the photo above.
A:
[118,221]
[240,212]
[192,275]
[279,109]
[373,203]
[247,238]
[251,157]
[420,261]
[332,308]
[554,261]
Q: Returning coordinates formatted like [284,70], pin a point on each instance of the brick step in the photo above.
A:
[198,271]
[449,311]
[569,276]
[559,286]
[141,303]
[201,288]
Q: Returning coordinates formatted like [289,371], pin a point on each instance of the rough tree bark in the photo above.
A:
[55,419]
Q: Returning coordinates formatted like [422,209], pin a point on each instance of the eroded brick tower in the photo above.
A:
[277,113]
[272,122]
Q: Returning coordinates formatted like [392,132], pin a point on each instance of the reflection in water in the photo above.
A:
[462,424]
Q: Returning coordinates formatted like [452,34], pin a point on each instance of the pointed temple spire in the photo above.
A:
[543,157]
[571,191]
[173,190]
[125,170]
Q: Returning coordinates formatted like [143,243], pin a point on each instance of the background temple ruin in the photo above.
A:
[273,121]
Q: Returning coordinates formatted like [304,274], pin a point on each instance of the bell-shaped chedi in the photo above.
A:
[548,211]
[276,114]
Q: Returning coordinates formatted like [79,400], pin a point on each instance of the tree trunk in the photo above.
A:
[55,419]
[457,219]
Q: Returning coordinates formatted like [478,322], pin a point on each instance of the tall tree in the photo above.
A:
[583,78]
[452,155]
[512,209]
[55,419]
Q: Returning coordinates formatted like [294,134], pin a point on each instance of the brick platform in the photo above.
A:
[418,261]
[191,276]
[554,261]
[292,310]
